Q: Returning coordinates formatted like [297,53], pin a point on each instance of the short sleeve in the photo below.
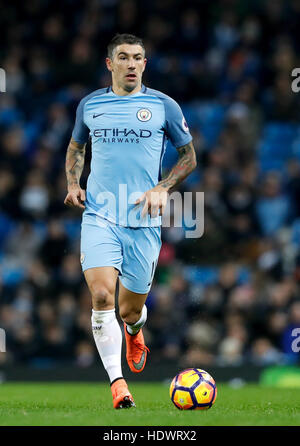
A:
[176,127]
[80,132]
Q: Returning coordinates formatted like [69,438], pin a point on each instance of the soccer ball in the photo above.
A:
[193,389]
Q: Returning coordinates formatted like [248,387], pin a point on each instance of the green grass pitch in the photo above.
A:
[90,404]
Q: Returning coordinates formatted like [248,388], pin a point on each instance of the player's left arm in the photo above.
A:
[156,198]
[186,163]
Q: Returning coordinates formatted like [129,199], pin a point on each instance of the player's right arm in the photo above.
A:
[74,166]
[75,159]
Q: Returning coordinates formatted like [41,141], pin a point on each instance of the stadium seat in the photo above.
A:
[295,233]
[206,275]
[277,145]
[72,228]
[12,275]
[268,164]
[208,117]
[279,132]
[6,226]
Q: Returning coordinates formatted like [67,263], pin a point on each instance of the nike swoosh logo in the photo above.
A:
[139,365]
[96,116]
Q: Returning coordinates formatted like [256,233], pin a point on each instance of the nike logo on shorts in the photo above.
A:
[96,115]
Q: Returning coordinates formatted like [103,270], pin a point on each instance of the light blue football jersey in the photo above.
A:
[129,135]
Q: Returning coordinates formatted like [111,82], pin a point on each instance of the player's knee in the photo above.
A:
[130,315]
[102,296]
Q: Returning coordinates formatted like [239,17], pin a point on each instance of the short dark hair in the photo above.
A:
[119,39]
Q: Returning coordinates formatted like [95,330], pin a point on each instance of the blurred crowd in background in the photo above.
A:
[230,297]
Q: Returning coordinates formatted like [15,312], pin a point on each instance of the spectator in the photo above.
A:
[273,207]
[55,245]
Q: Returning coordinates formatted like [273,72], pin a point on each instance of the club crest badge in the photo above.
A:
[184,125]
[144,114]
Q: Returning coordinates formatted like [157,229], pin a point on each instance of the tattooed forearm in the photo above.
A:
[74,162]
[185,165]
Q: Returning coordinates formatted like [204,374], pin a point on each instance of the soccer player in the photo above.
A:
[129,125]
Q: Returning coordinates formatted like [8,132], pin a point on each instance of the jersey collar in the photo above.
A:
[142,90]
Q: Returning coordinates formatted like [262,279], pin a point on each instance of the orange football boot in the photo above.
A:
[122,398]
[136,351]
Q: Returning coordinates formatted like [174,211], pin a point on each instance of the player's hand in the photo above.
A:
[75,197]
[155,201]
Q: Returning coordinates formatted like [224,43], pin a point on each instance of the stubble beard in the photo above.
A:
[129,88]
